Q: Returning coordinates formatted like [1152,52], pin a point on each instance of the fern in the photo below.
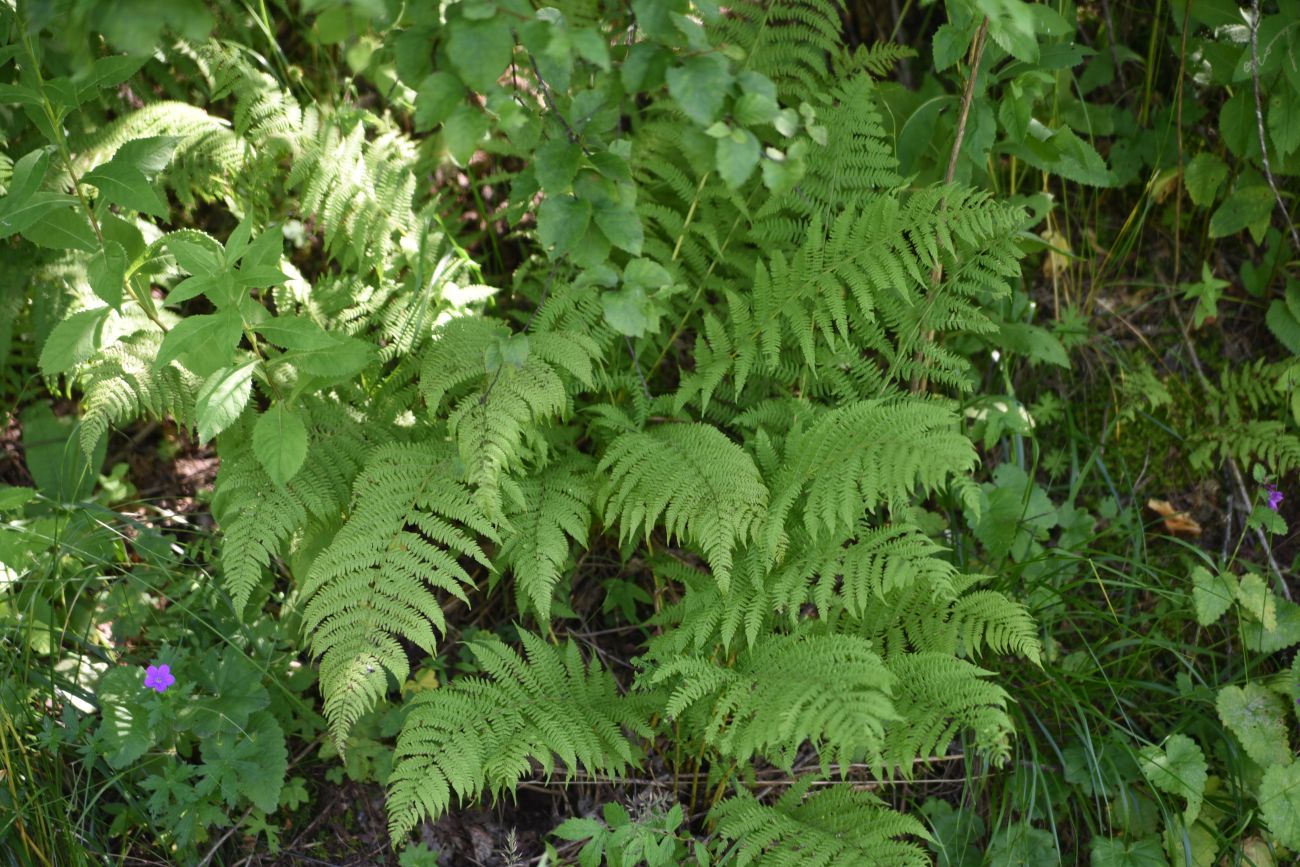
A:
[555,508]
[481,734]
[833,827]
[372,585]
[832,690]
[699,483]
[121,384]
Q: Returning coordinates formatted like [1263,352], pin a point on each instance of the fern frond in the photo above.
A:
[121,384]
[830,690]
[374,585]
[832,827]
[483,734]
[943,696]
[555,508]
[703,486]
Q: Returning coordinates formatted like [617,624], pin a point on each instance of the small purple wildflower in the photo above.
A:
[159,677]
[1274,497]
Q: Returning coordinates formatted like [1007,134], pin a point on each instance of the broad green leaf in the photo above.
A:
[1247,208]
[123,702]
[699,85]
[251,762]
[295,332]
[124,184]
[205,341]
[72,341]
[1284,122]
[1035,343]
[621,225]
[28,174]
[346,357]
[736,156]
[62,471]
[462,133]
[437,97]
[12,499]
[1256,716]
[1022,845]
[556,165]
[647,274]
[1203,176]
[1284,325]
[511,349]
[1279,802]
[1257,600]
[106,273]
[950,44]
[1113,852]
[108,72]
[197,253]
[1179,770]
[629,311]
[222,398]
[61,229]
[280,442]
[561,223]
[1213,593]
[480,50]
[18,216]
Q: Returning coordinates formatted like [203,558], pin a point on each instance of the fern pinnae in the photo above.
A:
[372,585]
[703,486]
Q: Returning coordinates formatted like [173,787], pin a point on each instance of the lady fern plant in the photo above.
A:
[701,362]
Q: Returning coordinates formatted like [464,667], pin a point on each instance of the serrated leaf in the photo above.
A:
[1203,176]
[629,311]
[1213,594]
[736,155]
[1258,601]
[1256,716]
[280,442]
[61,229]
[1279,803]
[126,185]
[222,398]
[26,178]
[1114,852]
[1246,207]
[20,215]
[1179,770]
[295,332]
[507,350]
[699,86]
[1283,325]
[561,223]
[437,97]
[106,273]
[621,226]
[556,165]
[197,253]
[462,132]
[251,762]
[72,341]
[480,50]
[1284,122]
[125,726]
[205,340]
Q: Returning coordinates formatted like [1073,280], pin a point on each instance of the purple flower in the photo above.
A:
[1274,497]
[159,677]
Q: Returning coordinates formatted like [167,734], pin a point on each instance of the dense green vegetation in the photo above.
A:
[789,432]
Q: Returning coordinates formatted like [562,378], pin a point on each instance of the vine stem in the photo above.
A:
[1259,123]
